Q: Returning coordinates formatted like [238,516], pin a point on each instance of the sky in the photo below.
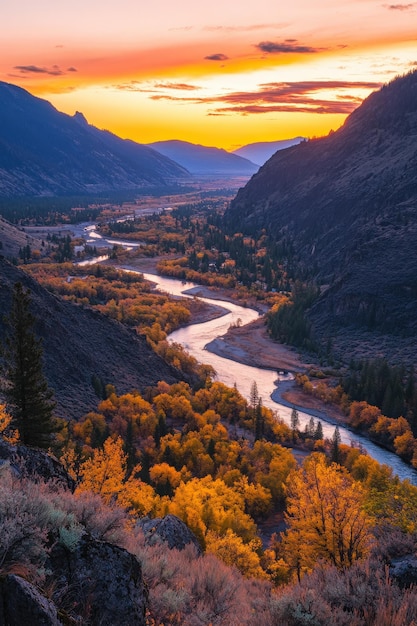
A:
[220,74]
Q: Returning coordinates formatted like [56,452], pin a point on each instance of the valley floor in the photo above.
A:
[251,345]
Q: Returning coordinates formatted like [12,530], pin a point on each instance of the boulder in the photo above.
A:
[98,582]
[34,464]
[170,530]
[404,570]
[22,604]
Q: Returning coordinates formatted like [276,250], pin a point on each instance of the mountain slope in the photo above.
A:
[204,160]
[348,204]
[261,151]
[45,152]
[79,343]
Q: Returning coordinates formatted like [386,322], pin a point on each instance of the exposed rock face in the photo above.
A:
[170,530]
[404,570]
[22,605]
[35,464]
[100,583]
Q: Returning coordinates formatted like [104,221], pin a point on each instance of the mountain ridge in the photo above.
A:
[347,203]
[204,160]
[46,152]
[260,151]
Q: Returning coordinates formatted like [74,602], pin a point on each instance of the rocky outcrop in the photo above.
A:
[99,583]
[170,530]
[404,570]
[34,464]
[21,604]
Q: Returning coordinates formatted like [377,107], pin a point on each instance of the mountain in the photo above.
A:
[202,160]
[261,151]
[13,238]
[80,343]
[45,152]
[347,203]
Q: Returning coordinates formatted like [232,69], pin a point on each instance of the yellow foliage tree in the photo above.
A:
[206,504]
[325,517]
[10,435]
[105,473]
[232,550]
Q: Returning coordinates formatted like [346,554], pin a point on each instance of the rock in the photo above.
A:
[21,604]
[35,464]
[169,529]
[404,570]
[100,583]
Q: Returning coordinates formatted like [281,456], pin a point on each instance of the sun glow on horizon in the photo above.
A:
[190,74]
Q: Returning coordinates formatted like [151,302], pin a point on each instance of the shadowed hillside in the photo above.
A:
[80,343]
[347,203]
[45,152]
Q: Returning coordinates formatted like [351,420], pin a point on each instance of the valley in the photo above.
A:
[208,399]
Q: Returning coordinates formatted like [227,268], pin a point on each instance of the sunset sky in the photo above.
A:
[220,73]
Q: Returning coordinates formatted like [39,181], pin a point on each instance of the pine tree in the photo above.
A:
[30,399]
[295,423]
[335,450]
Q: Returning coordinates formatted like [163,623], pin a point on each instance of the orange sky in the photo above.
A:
[225,74]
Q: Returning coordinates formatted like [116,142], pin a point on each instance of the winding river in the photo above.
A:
[196,337]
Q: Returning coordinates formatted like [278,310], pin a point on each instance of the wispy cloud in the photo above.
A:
[286,47]
[400,7]
[54,70]
[179,86]
[154,87]
[243,29]
[216,57]
[291,97]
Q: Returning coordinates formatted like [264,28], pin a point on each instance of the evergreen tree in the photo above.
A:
[30,400]
[335,449]
[295,423]
[318,435]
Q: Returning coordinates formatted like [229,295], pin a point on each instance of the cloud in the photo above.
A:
[400,7]
[216,57]
[179,86]
[286,47]
[154,87]
[243,29]
[294,97]
[55,70]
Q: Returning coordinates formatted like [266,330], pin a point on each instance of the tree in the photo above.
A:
[30,400]
[318,434]
[335,446]
[325,517]
[295,422]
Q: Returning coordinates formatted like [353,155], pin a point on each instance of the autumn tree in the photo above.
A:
[105,473]
[30,399]
[325,517]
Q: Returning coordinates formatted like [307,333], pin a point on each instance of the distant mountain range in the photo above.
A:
[202,160]
[261,151]
[347,205]
[45,152]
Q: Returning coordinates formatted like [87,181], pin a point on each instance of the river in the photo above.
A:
[196,337]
